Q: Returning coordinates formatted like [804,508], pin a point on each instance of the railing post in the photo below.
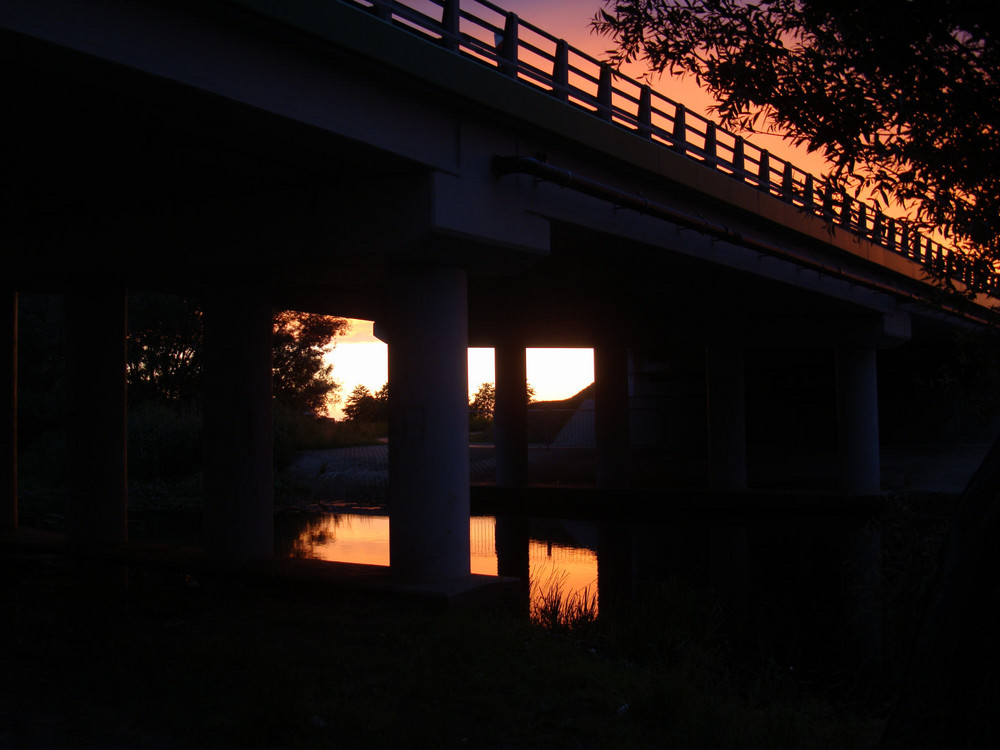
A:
[450,17]
[863,220]
[764,172]
[604,89]
[809,193]
[560,71]
[878,227]
[680,129]
[788,182]
[645,113]
[507,46]
[711,148]
[845,210]
[739,167]
[828,199]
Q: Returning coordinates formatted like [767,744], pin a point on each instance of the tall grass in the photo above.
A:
[555,609]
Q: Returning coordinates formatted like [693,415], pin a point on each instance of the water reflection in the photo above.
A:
[557,553]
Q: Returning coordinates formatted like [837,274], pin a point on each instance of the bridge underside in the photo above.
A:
[119,180]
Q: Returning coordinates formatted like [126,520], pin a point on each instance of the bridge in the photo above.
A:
[462,178]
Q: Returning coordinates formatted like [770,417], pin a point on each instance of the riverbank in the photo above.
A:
[171,661]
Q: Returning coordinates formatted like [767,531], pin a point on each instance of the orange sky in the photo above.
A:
[361,359]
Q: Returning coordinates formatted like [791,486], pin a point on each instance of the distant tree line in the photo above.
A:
[364,406]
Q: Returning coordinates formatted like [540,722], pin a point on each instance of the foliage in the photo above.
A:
[557,610]
[301,379]
[163,354]
[164,442]
[362,406]
[484,401]
[165,343]
[901,97]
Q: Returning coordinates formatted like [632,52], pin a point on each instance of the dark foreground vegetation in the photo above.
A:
[176,662]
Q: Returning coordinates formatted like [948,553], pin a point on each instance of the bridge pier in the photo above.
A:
[857,419]
[96,429]
[239,486]
[726,407]
[611,413]
[8,411]
[428,426]
[510,415]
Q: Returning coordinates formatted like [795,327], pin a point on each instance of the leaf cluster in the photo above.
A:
[901,96]
[302,380]
[364,406]
[484,401]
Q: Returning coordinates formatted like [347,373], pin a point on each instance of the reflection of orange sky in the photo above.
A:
[365,539]
[346,538]
[575,570]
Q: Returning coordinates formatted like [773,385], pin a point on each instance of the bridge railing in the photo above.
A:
[493,36]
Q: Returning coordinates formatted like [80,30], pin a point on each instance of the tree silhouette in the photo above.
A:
[302,380]
[164,353]
[484,401]
[363,406]
[902,97]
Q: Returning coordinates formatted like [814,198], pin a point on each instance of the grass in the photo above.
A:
[559,611]
[167,663]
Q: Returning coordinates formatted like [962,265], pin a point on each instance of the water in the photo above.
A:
[558,552]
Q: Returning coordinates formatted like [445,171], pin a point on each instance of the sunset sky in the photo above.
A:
[360,358]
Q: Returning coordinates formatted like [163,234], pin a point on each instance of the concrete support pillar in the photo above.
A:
[8,412]
[429,426]
[729,571]
[239,484]
[96,430]
[857,420]
[611,414]
[617,574]
[727,438]
[510,415]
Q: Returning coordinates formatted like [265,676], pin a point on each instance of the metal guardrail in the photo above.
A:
[531,55]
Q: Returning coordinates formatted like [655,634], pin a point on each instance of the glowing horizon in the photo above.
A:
[361,359]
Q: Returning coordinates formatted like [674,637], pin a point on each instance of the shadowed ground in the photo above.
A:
[361,473]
